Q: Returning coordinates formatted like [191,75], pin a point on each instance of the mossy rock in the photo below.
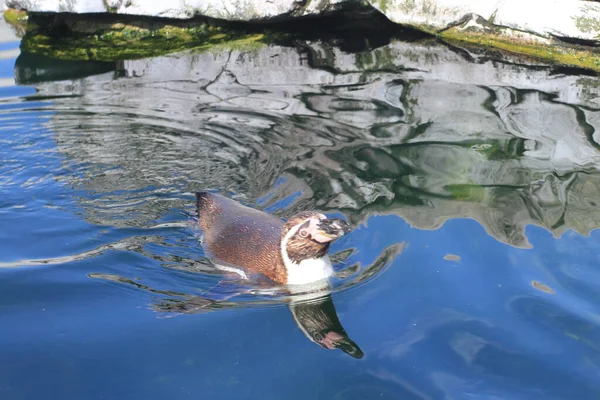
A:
[114,38]
[17,19]
[548,50]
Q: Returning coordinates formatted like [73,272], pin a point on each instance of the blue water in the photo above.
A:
[455,313]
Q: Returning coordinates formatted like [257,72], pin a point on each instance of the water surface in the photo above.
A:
[472,184]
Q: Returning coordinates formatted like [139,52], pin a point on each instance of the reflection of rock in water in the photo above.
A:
[445,181]
[31,68]
[408,128]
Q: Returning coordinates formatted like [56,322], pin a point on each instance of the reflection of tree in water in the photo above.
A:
[415,138]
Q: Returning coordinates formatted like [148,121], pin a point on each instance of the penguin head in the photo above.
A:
[307,235]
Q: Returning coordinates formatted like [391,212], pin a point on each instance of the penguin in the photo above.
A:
[250,242]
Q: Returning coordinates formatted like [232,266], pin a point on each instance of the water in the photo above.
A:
[472,184]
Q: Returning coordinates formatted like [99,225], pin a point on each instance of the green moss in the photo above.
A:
[17,19]
[383,5]
[110,9]
[572,56]
[246,43]
[14,17]
[430,29]
[112,41]
[466,192]
[588,25]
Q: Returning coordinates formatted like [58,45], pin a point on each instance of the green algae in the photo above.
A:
[466,192]
[383,5]
[556,53]
[17,19]
[129,46]
[117,39]
[109,8]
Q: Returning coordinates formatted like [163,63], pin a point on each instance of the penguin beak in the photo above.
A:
[330,229]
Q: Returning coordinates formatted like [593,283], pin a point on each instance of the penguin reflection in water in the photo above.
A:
[293,254]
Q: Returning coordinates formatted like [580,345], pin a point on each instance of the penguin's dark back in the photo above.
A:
[239,236]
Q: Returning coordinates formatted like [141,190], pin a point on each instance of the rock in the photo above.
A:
[565,33]
[230,10]
[573,19]
[540,28]
[32,68]
[58,6]
[117,37]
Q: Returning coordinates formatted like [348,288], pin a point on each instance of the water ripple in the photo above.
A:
[450,166]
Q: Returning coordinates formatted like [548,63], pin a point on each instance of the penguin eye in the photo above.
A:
[303,233]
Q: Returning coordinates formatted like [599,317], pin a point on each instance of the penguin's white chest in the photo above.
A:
[308,271]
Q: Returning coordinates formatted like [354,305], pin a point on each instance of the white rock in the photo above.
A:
[72,6]
[575,19]
[564,18]
[231,10]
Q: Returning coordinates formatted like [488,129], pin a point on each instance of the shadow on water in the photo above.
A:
[32,68]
